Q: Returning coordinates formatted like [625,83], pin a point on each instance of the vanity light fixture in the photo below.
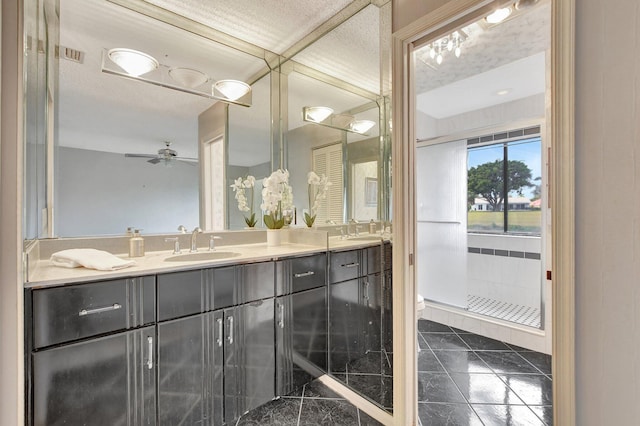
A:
[135,65]
[324,116]
[361,126]
[188,77]
[499,15]
[316,114]
[133,62]
[230,89]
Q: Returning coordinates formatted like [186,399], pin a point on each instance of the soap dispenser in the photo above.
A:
[136,244]
[372,227]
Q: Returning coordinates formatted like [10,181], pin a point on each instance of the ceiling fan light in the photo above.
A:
[458,52]
[317,114]
[231,89]
[188,77]
[361,126]
[498,16]
[133,62]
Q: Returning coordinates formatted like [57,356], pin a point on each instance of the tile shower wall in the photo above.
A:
[504,268]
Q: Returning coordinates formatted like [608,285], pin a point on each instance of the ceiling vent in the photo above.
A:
[70,54]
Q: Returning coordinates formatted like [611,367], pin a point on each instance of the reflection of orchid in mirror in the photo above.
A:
[277,196]
[239,187]
[317,191]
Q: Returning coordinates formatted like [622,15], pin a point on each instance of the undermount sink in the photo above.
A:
[202,256]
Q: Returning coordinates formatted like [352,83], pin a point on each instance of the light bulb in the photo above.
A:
[457,52]
[450,45]
[439,59]
[432,52]
[499,15]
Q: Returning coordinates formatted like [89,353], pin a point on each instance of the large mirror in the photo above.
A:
[105,128]
[105,121]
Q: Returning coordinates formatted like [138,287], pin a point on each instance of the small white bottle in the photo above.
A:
[136,244]
[372,227]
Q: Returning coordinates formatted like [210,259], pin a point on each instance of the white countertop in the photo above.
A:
[45,274]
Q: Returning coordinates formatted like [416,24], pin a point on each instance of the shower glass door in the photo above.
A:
[441,194]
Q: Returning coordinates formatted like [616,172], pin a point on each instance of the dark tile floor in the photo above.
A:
[463,379]
[314,405]
[467,379]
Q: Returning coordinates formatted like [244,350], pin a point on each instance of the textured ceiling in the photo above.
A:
[274,25]
[486,53]
[351,52]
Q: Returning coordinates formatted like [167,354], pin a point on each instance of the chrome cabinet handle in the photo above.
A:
[366,290]
[150,344]
[281,314]
[113,307]
[230,338]
[350,265]
[219,339]
[304,274]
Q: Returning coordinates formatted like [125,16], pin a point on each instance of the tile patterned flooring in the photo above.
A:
[314,405]
[467,379]
[463,379]
[519,314]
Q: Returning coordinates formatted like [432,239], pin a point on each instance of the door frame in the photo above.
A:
[562,199]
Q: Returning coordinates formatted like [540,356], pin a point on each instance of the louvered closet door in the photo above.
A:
[328,161]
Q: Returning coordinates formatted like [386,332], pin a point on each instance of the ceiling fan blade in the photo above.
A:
[155,160]
[186,159]
[140,155]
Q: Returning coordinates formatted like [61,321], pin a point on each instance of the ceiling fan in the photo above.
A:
[165,155]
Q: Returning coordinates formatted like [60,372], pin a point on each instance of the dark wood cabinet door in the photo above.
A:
[107,381]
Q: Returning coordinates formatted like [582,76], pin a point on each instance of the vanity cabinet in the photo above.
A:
[215,343]
[301,321]
[92,353]
[355,306]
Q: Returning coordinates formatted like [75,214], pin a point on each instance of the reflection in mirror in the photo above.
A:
[249,146]
[325,150]
[350,80]
[102,117]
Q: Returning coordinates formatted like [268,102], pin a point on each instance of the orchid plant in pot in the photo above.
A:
[245,204]
[277,197]
[317,191]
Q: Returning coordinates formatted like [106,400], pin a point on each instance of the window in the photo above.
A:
[512,168]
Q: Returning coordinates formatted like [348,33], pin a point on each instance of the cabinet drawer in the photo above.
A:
[256,282]
[64,314]
[388,255]
[374,259]
[344,265]
[301,273]
[180,294]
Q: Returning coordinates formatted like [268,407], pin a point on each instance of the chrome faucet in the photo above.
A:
[356,228]
[194,239]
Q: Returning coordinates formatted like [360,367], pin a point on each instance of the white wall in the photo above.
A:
[531,107]
[102,193]
[505,278]
[607,212]
[607,99]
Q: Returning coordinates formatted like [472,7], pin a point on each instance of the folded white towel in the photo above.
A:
[89,258]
